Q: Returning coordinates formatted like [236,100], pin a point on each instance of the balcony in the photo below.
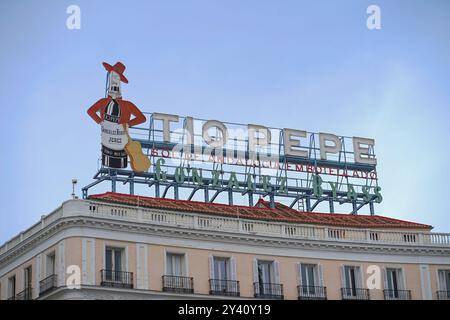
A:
[268,290]
[116,279]
[26,294]
[224,287]
[355,294]
[312,293]
[443,295]
[397,294]
[178,284]
[48,284]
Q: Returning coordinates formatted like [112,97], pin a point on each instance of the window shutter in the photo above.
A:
[255,275]
[385,278]
[233,268]
[401,279]
[211,267]
[320,275]
[276,267]
[343,276]
[442,284]
[299,274]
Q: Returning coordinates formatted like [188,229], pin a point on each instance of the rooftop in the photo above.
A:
[262,211]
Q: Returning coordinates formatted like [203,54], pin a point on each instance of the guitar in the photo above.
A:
[138,160]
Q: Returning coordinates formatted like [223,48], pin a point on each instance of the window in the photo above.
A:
[223,276]
[221,268]
[444,284]
[12,288]
[175,279]
[393,281]
[310,282]
[114,264]
[351,281]
[308,275]
[114,259]
[265,272]
[27,282]
[27,278]
[267,279]
[50,264]
[175,264]
[350,277]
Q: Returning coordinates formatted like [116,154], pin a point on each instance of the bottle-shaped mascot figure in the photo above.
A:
[115,116]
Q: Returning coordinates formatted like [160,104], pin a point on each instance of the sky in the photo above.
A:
[310,65]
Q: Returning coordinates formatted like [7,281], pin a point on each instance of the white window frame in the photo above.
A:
[184,264]
[11,292]
[442,283]
[116,245]
[228,267]
[401,280]
[28,284]
[315,274]
[123,259]
[48,257]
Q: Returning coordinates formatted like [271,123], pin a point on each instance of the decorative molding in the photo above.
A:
[37,275]
[88,261]
[61,256]
[74,225]
[142,266]
[425,282]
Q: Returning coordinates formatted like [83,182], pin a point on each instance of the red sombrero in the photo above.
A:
[119,67]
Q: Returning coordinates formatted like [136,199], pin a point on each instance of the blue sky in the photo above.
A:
[310,65]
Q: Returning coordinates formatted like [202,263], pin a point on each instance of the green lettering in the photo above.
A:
[233,183]
[179,175]
[317,185]
[159,174]
[250,183]
[351,193]
[333,189]
[366,195]
[282,185]
[196,177]
[215,178]
[378,195]
[267,186]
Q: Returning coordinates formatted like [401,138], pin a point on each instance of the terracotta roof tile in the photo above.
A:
[262,211]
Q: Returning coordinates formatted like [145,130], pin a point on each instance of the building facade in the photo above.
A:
[119,246]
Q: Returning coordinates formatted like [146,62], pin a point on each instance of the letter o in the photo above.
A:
[221,127]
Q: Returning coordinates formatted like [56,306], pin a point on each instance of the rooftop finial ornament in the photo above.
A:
[114,115]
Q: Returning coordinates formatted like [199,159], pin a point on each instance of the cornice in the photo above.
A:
[66,223]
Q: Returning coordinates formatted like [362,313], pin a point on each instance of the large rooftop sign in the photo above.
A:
[222,158]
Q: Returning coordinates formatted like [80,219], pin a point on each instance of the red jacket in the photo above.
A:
[126,107]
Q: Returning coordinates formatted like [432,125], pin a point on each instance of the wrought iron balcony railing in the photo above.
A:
[48,284]
[355,294]
[443,295]
[268,290]
[224,287]
[26,294]
[178,284]
[312,293]
[397,294]
[117,279]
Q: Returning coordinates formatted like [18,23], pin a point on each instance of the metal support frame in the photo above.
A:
[300,191]
[296,194]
